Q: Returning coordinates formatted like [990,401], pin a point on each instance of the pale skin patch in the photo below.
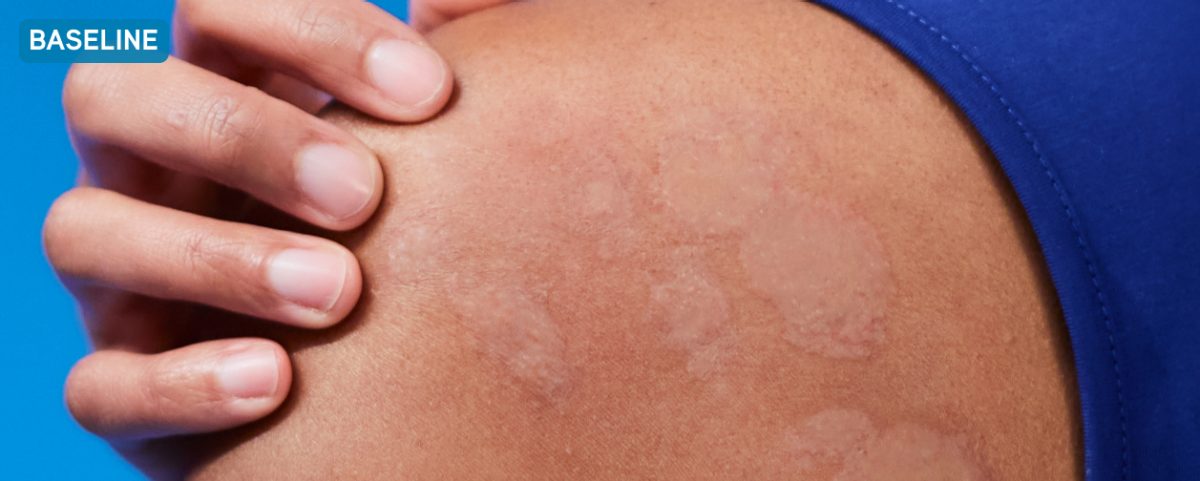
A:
[847,443]
[910,452]
[816,262]
[694,312]
[442,243]
[605,207]
[508,318]
[715,175]
[828,437]
[824,270]
[722,174]
[515,328]
[416,252]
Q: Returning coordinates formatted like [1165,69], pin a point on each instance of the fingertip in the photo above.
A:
[319,285]
[351,287]
[254,377]
[342,185]
[414,82]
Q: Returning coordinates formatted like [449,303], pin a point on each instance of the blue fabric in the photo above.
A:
[1092,109]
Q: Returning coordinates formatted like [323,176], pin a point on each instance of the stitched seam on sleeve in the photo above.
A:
[1063,199]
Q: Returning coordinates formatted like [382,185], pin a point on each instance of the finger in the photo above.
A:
[429,14]
[200,388]
[353,50]
[100,237]
[193,121]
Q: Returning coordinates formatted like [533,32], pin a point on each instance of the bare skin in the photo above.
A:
[580,271]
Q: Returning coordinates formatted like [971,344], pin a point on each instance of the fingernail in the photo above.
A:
[336,181]
[249,374]
[308,277]
[405,72]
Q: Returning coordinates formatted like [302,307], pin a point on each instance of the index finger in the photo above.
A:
[353,50]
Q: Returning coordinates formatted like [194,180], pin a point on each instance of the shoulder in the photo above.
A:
[699,235]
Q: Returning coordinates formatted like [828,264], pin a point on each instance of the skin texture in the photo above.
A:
[545,297]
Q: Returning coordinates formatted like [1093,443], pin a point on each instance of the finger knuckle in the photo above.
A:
[215,256]
[196,252]
[318,23]
[228,122]
[314,18]
[171,387]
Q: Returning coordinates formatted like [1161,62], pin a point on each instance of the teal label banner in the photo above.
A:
[94,41]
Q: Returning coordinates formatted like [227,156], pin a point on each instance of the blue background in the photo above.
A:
[39,438]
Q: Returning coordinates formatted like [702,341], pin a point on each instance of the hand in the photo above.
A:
[173,152]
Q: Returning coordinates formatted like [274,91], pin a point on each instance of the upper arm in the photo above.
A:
[683,240]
